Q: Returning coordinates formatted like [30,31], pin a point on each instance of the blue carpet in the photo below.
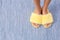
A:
[15,25]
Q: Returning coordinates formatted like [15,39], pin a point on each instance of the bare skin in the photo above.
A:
[38,10]
[44,9]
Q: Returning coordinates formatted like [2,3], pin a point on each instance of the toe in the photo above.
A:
[35,25]
[47,25]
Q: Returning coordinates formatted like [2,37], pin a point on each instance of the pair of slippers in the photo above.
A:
[42,19]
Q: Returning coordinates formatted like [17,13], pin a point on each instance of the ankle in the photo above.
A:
[44,10]
[38,11]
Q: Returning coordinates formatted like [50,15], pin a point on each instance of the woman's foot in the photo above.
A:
[37,11]
[45,11]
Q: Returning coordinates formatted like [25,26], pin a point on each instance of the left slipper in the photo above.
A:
[47,18]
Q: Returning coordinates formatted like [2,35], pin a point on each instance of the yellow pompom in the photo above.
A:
[36,18]
[47,18]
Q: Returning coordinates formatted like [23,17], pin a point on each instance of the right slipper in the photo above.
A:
[36,18]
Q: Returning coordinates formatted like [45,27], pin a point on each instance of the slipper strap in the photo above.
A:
[47,18]
[36,18]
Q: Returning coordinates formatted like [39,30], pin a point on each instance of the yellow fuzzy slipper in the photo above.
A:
[47,18]
[36,18]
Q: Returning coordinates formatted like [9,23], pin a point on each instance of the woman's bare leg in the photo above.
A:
[37,10]
[37,6]
[45,7]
